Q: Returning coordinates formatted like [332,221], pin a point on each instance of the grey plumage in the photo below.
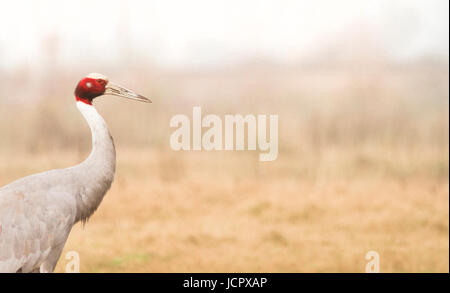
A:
[37,212]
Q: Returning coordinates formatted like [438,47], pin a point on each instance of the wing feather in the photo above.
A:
[32,223]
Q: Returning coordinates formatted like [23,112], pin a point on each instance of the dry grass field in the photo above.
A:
[363,165]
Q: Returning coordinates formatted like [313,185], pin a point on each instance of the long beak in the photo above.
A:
[117,90]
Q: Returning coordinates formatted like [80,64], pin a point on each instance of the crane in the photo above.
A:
[38,212]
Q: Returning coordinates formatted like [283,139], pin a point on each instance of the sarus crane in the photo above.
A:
[38,212]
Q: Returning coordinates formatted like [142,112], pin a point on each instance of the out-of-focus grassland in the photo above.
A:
[363,165]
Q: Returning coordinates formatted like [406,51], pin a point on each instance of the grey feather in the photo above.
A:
[37,212]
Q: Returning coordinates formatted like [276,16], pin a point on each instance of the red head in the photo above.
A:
[90,87]
[96,84]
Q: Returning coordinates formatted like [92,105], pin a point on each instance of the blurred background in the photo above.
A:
[362,93]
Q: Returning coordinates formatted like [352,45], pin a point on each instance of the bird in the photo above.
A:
[38,212]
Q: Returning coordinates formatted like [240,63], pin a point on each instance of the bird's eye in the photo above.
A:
[88,84]
[101,81]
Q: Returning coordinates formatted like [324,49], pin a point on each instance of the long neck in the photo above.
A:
[96,173]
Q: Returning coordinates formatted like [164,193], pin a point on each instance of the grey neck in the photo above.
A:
[96,173]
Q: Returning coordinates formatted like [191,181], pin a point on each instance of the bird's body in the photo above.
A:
[38,212]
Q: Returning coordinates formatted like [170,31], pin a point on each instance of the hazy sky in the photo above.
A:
[204,32]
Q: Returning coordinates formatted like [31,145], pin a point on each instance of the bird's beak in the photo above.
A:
[117,90]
